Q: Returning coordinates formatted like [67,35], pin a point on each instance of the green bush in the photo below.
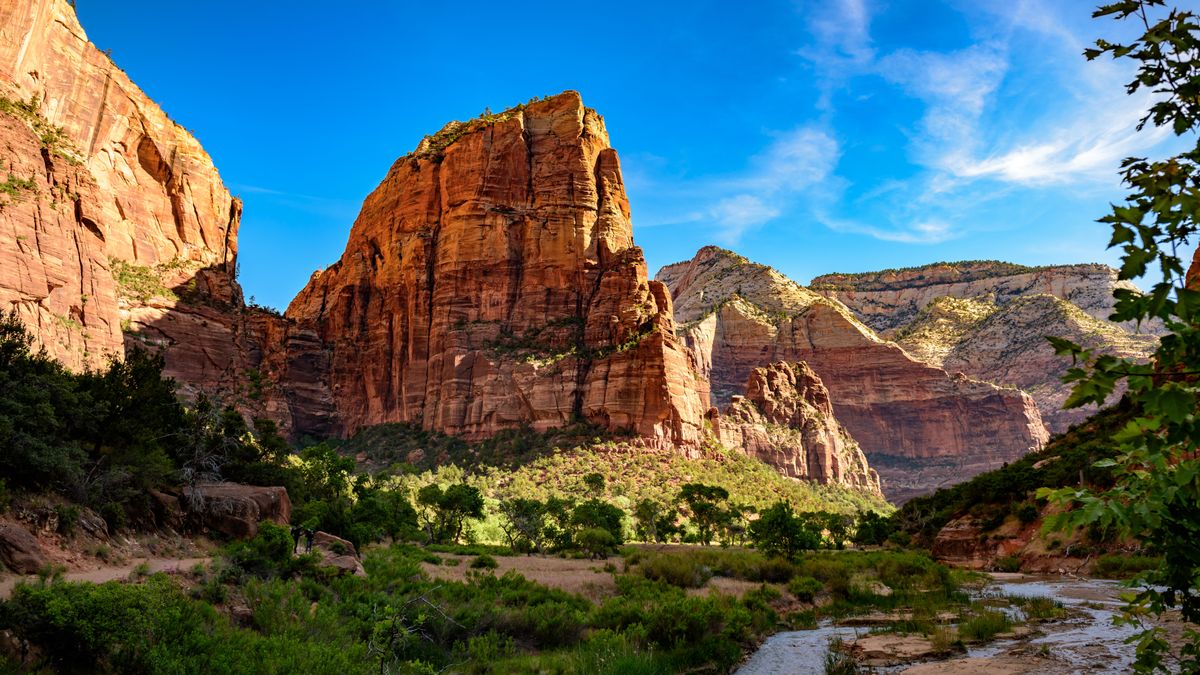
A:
[268,554]
[1123,566]
[681,570]
[1008,563]
[805,588]
[484,562]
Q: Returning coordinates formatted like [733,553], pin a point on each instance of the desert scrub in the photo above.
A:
[484,562]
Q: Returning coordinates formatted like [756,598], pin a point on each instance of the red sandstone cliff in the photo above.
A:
[989,320]
[491,281]
[119,222]
[919,426]
[786,420]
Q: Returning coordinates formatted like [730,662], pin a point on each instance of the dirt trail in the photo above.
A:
[103,574]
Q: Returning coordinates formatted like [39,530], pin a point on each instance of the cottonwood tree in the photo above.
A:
[1156,495]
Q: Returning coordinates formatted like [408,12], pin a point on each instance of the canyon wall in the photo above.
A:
[115,229]
[919,426]
[491,281]
[989,320]
[786,419]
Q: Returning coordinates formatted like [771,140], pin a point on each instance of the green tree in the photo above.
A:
[594,482]
[780,532]
[1156,495]
[443,513]
[706,503]
[524,523]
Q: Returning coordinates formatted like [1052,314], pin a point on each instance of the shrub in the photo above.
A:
[682,571]
[1118,566]
[484,562]
[1027,513]
[268,554]
[596,542]
[805,588]
[68,518]
[1008,563]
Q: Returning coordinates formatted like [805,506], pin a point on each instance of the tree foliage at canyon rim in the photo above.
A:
[1156,496]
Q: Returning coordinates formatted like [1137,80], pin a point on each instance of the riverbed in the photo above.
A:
[1087,642]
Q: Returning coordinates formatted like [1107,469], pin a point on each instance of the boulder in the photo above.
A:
[235,510]
[338,553]
[19,549]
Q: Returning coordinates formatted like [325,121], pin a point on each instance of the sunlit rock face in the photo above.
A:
[491,281]
[117,230]
[786,420]
[919,426]
[989,320]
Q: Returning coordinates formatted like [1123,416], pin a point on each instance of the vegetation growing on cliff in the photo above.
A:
[52,137]
[1155,494]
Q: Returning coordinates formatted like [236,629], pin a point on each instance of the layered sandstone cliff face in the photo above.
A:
[116,228]
[919,426]
[491,281]
[889,300]
[989,321]
[786,420]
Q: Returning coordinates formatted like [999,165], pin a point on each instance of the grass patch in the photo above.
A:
[1118,566]
[982,625]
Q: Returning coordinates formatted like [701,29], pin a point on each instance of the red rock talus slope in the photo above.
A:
[118,218]
[989,320]
[490,281]
[919,426]
[787,420]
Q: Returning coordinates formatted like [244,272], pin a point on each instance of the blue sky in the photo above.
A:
[812,135]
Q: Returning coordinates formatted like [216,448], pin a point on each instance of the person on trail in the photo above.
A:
[296,538]
[308,539]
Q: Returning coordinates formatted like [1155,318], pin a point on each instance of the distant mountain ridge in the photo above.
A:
[989,319]
[919,426]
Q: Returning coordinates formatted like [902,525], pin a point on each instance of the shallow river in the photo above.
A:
[1089,644]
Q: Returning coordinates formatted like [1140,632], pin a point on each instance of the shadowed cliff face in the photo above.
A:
[919,426]
[492,282]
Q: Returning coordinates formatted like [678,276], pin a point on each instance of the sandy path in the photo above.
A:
[103,574]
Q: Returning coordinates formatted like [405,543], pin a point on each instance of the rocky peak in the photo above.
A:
[919,426]
[786,419]
[491,281]
[715,275]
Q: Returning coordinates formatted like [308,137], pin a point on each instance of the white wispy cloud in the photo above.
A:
[791,165]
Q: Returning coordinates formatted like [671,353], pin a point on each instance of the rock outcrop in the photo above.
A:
[919,426]
[988,320]
[20,551]
[236,510]
[491,281]
[338,553]
[108,204]
[786,420]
